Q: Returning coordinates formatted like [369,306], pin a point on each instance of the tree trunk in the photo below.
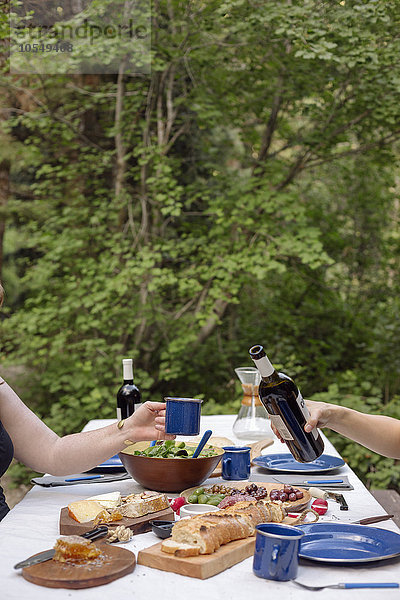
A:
[4,194]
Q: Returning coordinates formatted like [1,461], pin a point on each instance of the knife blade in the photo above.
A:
[341,483]
[50,481]
[93,534]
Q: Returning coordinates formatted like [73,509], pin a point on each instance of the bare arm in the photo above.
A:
[39,448]
[379,433]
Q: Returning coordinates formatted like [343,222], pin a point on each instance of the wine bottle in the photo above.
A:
[128,395]
[286,408]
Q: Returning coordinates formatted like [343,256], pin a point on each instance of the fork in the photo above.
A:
[346,586]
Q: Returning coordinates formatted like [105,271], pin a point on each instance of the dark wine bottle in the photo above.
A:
[286,408]
[128,395]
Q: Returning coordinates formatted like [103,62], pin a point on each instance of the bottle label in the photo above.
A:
[305,411]
[279,424]
[264,366]
[119,414]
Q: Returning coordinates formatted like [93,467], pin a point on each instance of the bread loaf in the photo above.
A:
[137,505]
[205,533]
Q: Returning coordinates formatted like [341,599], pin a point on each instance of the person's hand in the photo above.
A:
[148,423]
[320,413]
[276,432]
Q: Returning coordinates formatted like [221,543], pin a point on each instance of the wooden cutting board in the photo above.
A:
[204,566]
[69,526]
[116,562]
[200,567]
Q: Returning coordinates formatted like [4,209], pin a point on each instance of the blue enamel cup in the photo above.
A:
[236,463]
[276,555]
[182,416]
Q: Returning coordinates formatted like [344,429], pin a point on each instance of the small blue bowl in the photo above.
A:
[182,416]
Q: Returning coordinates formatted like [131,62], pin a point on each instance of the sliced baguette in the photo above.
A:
[179,549]
[204,534]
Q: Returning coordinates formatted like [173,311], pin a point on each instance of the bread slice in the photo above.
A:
[179,549]
[278,513]
[84,510]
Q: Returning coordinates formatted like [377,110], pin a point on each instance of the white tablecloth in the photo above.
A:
[32,526]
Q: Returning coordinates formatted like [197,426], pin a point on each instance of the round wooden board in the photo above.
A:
[116,562]
[239,485]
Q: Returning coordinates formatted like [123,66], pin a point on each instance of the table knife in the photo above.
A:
[369,520]
[339,483]
[50,481]
[93,534]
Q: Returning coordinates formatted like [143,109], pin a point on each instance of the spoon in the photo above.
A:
[202,443]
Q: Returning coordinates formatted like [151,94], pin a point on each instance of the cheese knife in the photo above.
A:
[93,534]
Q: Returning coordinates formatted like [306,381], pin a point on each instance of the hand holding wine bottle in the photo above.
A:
[287,409]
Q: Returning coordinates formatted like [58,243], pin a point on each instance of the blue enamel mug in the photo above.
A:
[276,555]
[236,463]
[182,416]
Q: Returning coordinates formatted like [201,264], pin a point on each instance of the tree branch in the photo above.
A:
[119,143]
[219,309]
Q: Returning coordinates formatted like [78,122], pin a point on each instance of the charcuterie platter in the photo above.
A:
[290,505]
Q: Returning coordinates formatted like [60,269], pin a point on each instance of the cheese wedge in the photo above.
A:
[84,510]
[111,500]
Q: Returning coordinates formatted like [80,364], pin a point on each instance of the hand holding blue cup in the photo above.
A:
[236,463]
[182,416]
[276,555]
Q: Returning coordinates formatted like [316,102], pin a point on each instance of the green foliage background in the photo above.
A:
[246,191]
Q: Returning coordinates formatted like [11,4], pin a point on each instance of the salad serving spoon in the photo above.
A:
[202,443]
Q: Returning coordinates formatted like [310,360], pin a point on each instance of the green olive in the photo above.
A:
[202,498]
[192,499]
[214,501]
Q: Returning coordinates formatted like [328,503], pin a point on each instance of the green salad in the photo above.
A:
[172,449]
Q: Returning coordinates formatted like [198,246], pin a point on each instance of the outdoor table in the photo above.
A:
[32,526]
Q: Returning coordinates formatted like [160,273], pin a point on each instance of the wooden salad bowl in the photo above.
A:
[167,474]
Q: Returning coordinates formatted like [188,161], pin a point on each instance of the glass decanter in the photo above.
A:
[252,420]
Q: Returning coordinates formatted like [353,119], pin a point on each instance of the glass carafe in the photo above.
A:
[252,420]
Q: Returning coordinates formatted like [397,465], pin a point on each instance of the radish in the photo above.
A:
[320,506]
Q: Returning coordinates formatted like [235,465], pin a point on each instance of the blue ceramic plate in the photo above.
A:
[285,463]
[346,543]
[112,465]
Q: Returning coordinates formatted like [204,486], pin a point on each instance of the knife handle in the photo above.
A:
[349,586]
[84,478]
[325,481]
[95,534]
[369,520]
